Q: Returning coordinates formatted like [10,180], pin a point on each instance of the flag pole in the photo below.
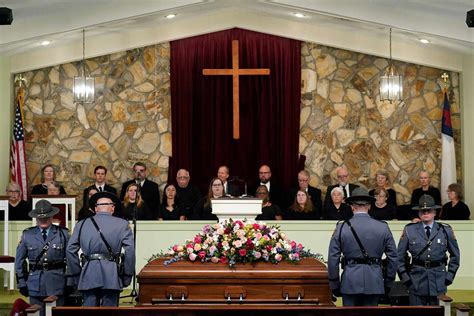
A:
[17,153]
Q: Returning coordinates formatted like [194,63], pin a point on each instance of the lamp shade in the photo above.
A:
[84,89]
[391,86]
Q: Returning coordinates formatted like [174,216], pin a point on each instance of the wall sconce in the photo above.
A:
[84,87]
[391,83]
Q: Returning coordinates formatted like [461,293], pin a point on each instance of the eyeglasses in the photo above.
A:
[100,204]
[342,176]
[182,178]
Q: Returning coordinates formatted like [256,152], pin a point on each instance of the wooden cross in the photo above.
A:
[235,72]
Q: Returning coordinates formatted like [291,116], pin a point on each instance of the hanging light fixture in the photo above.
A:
[84,86]
[391,84]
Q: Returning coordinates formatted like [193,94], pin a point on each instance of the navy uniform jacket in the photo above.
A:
[377,239]
[428,282]
[42,282]
[101,273]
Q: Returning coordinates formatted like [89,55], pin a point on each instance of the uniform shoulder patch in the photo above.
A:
[444,224]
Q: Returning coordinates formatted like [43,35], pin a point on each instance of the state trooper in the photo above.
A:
[104,271]
[40,262]
[359,244]
[423,264]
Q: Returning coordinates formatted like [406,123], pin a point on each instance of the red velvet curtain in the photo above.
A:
[202,107]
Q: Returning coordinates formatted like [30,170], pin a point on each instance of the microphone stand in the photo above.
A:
[133,294]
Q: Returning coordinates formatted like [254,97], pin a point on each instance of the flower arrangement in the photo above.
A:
[232,242]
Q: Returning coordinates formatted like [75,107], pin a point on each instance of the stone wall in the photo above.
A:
[342,120]
[128,122]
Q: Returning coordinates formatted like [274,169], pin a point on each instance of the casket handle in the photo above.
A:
[174,291]
[292,292]
[231,292]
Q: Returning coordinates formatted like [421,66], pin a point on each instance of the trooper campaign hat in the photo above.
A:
[99,195]
[43,209]
[360,196]
[426,203]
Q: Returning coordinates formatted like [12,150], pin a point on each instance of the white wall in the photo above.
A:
[5,122]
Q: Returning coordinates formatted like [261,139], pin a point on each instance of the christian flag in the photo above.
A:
[448,159]
[17,152]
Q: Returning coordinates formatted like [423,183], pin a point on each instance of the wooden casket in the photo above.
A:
[184,282]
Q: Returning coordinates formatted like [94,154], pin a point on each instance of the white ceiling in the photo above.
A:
[442,22]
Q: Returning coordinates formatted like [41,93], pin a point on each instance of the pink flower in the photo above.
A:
[239,223]
[296,255]
[197,247]
[300,246]
[215,260]
[278,257]
[242,252]
[237,243]
[192,256]
[190,250]
[293,244]
[258,235]
[175,248]
[197,239]
[257,254]
[202,254]
[256,226]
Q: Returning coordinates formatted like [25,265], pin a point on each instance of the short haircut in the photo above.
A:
[382,172]
[12,186]
[337,189]
[304,173]
[456,188]
[378,190]
[55,184]
[141,164]
[100,167]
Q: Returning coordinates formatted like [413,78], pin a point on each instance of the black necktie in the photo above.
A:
[428,231]
[45,235]
[100,189]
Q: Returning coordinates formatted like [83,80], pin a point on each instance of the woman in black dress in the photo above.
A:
[86,209]
[169,209]
[203,209]
[134,206]
[270,212]
[48,176]
[17,207]
[381,210]
[337,209]
[455,209]
[382,181]
[302,208]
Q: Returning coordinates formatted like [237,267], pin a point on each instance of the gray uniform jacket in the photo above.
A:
[428,281]
[377,239]
[42,282]
[101,274]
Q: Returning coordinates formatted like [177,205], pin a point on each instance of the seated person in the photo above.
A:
[382,181]
[425,188]
[86,209]
[187,193]
[134,207]
[169,209]
[60,218]
[203,210]
[314,193]
[337,209]
[380,209]
[302,208]
[270,212]
[455,209]
[18,209]
[47,176]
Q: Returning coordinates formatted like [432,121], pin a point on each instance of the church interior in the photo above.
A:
[343,48]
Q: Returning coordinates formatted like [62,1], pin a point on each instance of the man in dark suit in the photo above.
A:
[276,193]
[100,174]
[149,190]
[343,182]
[314,193]
[425,188]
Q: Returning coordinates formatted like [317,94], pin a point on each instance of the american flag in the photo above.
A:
[17,153]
